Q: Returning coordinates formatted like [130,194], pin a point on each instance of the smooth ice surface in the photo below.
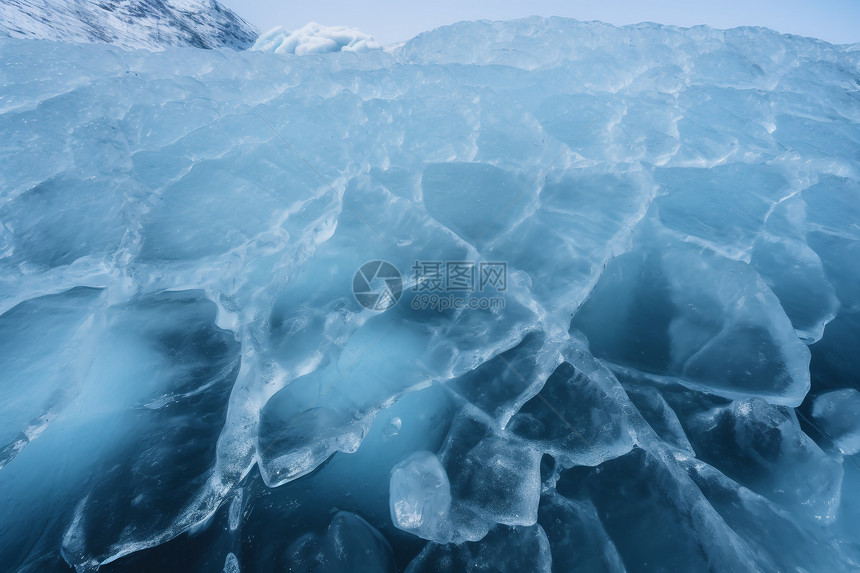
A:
[838,413]
[667,380]
[350,544]
[505,550]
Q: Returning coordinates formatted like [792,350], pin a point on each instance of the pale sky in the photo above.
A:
[391,21]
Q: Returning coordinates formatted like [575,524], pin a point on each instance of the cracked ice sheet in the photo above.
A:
[626,187]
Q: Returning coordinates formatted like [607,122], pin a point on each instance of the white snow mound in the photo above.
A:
[315,38]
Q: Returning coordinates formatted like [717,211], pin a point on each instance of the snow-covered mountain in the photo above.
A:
[151,24]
